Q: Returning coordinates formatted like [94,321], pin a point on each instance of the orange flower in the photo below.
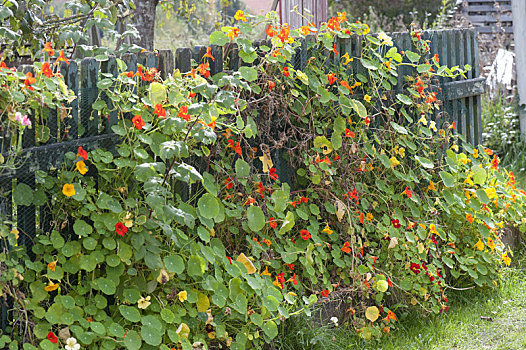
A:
[270,31]
[335,50]
[349,133]
[495,162]
[236,147]
[284,33]
[436,58]
[469,218]
[51,287]
[48,49]
[388,64]
[332,78]
[286,72]
[390,316]
[333,24]
[346,247]
[209,54]
[159,110]
[489,152]
[305,30]
[233,33]
[82,153]
[52,266]
[46,70]
[183,113]
[346,85]
[29,80]
[240,16]
[61,57]
[138,122]
[342,16]
[271,85]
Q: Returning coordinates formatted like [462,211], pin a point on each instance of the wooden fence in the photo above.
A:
[489,16]
[89,129]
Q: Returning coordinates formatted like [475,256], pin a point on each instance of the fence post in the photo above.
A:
[519,33]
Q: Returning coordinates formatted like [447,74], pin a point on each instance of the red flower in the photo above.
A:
[270,31]
[396,223]
[61,57]
[444,299]
[349,133]
[286,72]
[191,95]
[495,162]
[46,70]
[436,58]
[431,278]
[389,283]
[183,113]
[346,247]
[335,50]
[138,122]
[203,69]
[271,85]
[354,195]
[304,200]
[52,338]
[408,192]
[120,229]
[236,147]
[325,293]
[367,121]
[261,189]
[228,183]
[291,266]
[48,49]
[272,222]
[272,174]
[362,218]
[305,234]
[82,153]
[159,110]
[415,268]
[229,260]
[332,78]
[293,279]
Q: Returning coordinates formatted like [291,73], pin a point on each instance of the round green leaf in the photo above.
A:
[256,218]
[174,264]
[130,313]
[208,206]
[23,194]
[132,341]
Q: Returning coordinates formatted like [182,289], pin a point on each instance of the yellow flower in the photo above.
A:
[183,295]
[475,153]
[479,245]
[277,283]
[240,16]
[266,273]
[464,160]
[454,147]
[369,216]
[347,59]
[433,229]
[367,98]
[431,186]
[394,161]
[68,190]
[423,120]
[127,221]
[441,133]
[491,244]
[500,224]
[433,126]
[327,230]
[506,259]
[81,167]
[143,303]
[51,287]
[491,192]
[400,151]
[466,193]
[16,233]
[468,180]
[386,39]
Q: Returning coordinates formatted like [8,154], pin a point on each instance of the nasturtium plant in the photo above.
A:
[186,235]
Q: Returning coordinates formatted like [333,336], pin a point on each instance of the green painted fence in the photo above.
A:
[89,129]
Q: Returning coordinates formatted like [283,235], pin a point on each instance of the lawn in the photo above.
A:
[489,319]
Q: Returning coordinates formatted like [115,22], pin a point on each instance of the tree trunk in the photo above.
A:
[144,21]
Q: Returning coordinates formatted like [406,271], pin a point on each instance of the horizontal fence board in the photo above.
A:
[487,8]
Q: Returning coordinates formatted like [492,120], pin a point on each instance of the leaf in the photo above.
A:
[157,93]
[413,57]
[271,329]
[256,218]
[266,161]
[203,303]
[174,264]
[248,73]
[449,180]
[426,163]
[288,223]
[422,68]
[242,168]
[218,38]
[393,243]
[324,144]
[247,263]
[482,196]
[385,160]
[130,313]
[479,175]
[340,210]
[208,206]
[404,99]
[400,129]
[132,341]
[23,194]
[359,108]
[152,335]
[81,228]
[196,266]
[372,313]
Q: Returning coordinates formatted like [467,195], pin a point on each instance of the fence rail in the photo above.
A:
[89,129]
[489,16]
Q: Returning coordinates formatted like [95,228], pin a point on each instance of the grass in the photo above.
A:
[502,326]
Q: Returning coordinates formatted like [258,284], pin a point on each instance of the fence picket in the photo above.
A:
[89,118]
